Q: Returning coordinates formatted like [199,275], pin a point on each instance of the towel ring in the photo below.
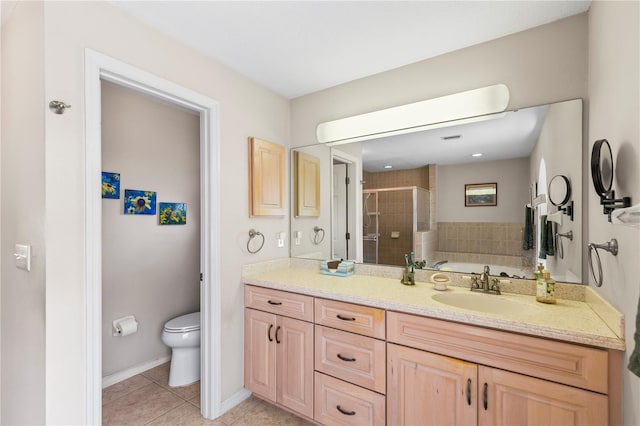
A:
[252,234]
[317,239]
[611,247]
[559,246]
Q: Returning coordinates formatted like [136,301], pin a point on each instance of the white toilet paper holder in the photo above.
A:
[118,325]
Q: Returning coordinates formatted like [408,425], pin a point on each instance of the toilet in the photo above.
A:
[182,335]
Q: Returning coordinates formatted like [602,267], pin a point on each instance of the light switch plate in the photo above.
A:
[22,254]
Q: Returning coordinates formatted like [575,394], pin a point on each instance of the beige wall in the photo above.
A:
[246,109]
[148,270]
[614,108]
[512,194]
[542,65]
[23,197]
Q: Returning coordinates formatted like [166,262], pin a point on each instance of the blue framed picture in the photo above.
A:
[173,214]
[110,185]
[139,202]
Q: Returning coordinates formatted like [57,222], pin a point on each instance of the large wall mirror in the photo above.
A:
[385,197]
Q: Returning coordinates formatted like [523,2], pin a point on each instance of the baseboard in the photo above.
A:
[112,379]
[234,400]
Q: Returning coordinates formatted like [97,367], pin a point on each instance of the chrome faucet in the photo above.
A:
[482,283]
[439,264]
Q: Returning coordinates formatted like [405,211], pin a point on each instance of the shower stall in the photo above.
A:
[391,218]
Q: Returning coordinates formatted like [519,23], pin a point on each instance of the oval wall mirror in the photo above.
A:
[559,190]
[602,167]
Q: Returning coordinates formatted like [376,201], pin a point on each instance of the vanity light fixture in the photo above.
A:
[388,167]
[465,107]
[477,154]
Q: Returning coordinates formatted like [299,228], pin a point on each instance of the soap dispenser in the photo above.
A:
[546,288]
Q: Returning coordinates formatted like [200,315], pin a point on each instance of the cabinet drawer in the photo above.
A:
[560,362]
[279,302]
[341,403]
[356,359]
[349,317]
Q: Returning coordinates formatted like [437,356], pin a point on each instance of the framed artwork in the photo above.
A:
[266,178]
[110,185]
[139,202]
[480,194]
[173,214]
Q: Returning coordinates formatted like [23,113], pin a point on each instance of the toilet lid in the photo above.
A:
[189,322]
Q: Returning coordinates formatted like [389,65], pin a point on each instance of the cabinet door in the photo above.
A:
[266,178]
[514,399]
[260,353]
[429,389]
[295,365]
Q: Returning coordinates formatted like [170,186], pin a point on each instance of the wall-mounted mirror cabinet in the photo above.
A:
[384,197]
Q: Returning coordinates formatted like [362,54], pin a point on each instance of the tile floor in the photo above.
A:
[147,399]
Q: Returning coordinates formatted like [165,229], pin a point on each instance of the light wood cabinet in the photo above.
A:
[266,178]
[346,364]
[357,319]
[278,353]
[306,185]
[353,358]
[429,389]
[515,399]
[501,397]
[340,403]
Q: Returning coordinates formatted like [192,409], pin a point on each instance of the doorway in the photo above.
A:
[346,206]
[98,68]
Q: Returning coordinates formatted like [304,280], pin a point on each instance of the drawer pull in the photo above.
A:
[344,358]
[271,302]
[345,318]
[346,413]
[277,333]
[468,391]
[269,333]
[485,397]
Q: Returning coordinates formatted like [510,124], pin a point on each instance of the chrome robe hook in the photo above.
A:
[58,107]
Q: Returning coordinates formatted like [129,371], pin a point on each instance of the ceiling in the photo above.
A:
[510,136]
[299,47]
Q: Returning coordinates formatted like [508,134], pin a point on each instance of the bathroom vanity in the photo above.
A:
[367,350]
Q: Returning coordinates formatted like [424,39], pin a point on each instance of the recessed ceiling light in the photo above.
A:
[477,154]
[388,167]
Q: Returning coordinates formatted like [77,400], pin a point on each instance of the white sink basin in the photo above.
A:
[489,303]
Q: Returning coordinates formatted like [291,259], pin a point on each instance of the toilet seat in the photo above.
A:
[184,323]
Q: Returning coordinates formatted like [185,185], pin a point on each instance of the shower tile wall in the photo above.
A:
[393,207]
[397,178]
[468,241]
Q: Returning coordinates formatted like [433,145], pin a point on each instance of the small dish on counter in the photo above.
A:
[440,281]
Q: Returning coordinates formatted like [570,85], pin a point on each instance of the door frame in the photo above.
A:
[97,67]
[356,163]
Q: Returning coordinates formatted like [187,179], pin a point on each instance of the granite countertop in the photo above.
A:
[592,322]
